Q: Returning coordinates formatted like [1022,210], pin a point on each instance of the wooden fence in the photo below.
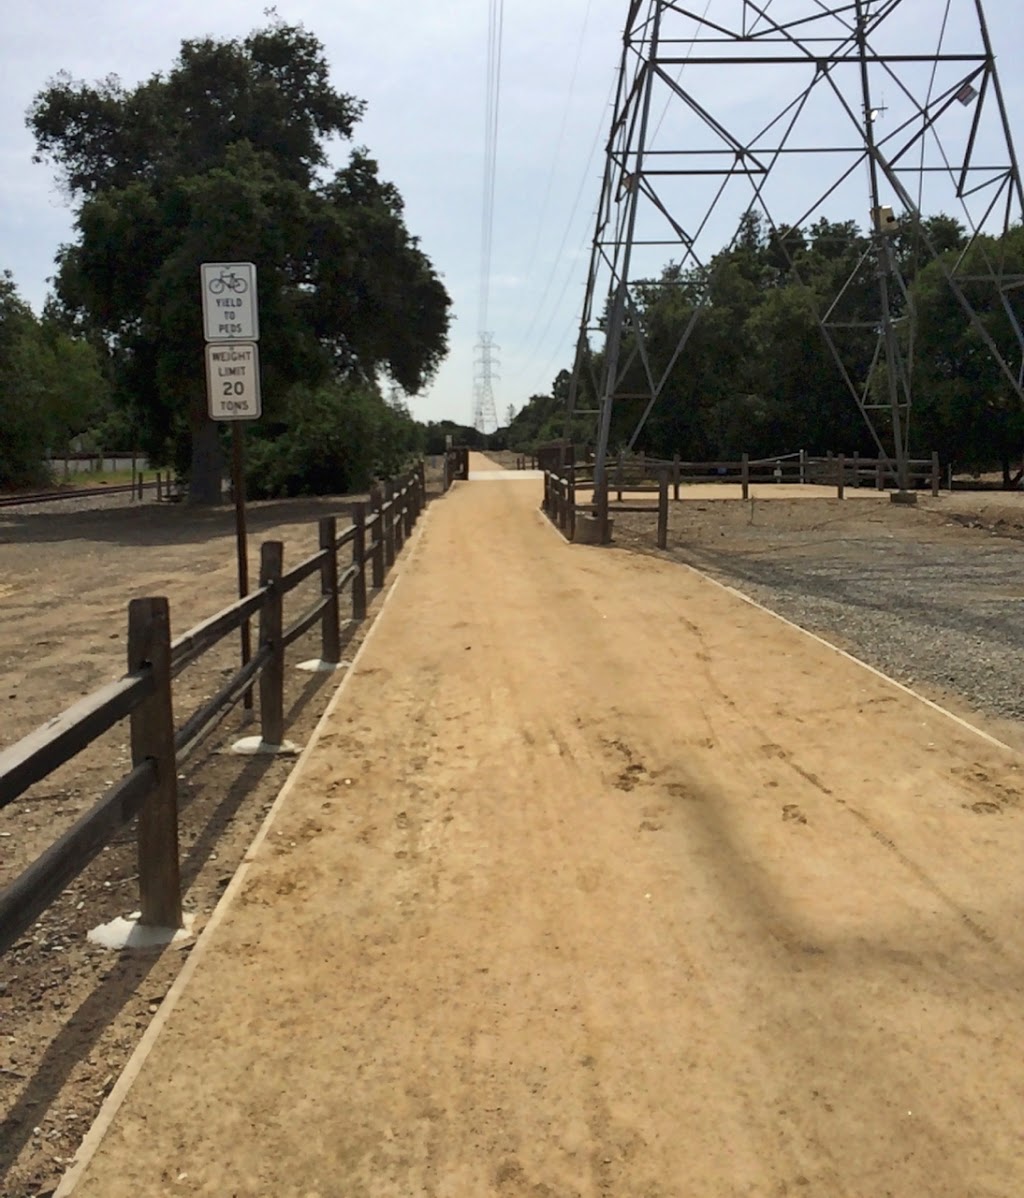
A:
[456,465]
[144,696]
[640,475]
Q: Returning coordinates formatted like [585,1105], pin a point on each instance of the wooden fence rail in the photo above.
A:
[639,475]
[144,695]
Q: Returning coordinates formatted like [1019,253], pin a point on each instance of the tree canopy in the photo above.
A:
[226,158]
[757,375]
[52,387]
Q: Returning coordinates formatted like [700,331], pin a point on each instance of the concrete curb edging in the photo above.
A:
[112,1103]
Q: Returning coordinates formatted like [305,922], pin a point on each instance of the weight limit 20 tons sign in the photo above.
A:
[233,381]
[231,325]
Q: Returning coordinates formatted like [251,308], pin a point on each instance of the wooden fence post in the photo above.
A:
[745,475]
[271,633]
[936,476]
[856,469]
[841,477]
[359,561]
[571,504]
[803,465]
[389,523]
[330,626]
[677,473]
[422,507]
[602,510]
[879,480]
[620,473]
[410,507]
[377,502]
[398,501]
[662,509]
[142,480]
[152,738]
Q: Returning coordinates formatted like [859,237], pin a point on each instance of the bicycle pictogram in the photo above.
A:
[227,280]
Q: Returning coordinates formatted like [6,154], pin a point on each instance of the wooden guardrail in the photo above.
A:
[144,696]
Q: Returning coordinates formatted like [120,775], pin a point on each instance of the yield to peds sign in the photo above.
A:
[233,380]
[229,301]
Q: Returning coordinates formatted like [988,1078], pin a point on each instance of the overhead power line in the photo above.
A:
[484,412]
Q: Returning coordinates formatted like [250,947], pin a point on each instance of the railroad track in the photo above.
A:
[74,493]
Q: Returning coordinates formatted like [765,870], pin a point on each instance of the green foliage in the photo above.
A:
[224,159]
[757,376]
[542,419]
[51,388]
[335,438]
[966,405]
[436,436]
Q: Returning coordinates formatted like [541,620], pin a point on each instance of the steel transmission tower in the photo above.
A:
[485,415]
[879,112]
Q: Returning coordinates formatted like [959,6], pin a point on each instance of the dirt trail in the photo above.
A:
[601,881]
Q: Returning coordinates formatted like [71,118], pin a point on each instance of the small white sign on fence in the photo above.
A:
[233,381]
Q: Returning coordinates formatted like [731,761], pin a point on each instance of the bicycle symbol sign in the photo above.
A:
[227,280]
[229,301]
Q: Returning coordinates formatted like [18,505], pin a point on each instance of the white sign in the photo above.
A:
[229,301]
[233,380]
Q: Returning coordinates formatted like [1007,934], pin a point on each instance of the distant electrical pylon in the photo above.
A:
[774,111]
[485,418]
[485,415]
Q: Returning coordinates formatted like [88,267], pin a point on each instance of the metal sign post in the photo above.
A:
[231,327]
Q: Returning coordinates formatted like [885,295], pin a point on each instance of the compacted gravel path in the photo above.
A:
[930,596]
[597,880]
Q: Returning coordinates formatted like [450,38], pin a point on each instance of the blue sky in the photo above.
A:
[421,68]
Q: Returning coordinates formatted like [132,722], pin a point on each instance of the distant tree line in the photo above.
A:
[53,387]
[757,375]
